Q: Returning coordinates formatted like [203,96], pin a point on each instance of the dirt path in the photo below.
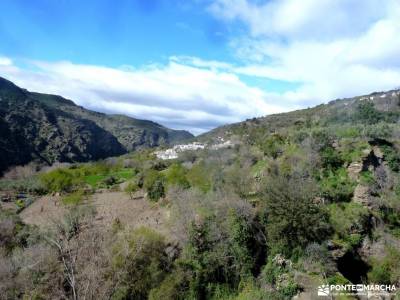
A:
[109,206]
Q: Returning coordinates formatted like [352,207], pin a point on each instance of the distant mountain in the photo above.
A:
[50,128]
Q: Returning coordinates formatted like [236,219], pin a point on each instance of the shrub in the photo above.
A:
[349,132]
[352,150]
[367,178]
[174,286]
[199,176]
[140,263]
[392,157]
[74,198]
[13,233]
[330,158]
[241,243]
[292,218]
[336,186]
[131,188]
[349,221]
[61,180]
[387,269]
[176,175]
[110,181]
[273,145]
[321,139]
[367,114]
[31,185]
[380,130]
[154,185]
[281,277]
[391,217]
[337,279]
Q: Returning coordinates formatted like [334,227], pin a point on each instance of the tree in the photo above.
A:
[176,175]
[367,114]
[139,263]
[154,185]
[292,218]
[61,180]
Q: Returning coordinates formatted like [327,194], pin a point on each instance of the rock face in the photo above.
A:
[373,161]
[49,128]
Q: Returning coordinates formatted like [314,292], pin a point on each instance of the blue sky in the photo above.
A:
[110,33]
[198,64]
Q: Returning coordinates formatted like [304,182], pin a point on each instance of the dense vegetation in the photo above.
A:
[302,199]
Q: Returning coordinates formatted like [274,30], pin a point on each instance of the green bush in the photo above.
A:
[174,286]
[241,245]
[273,145]
[199,176]
[348,132]
[391,217]
[131,188]
[154,184]
[74,198]
[336,186]
[330,158]
[322,138]
[61,180]
[281,277]
[367,114]
[11,231]
[367,178]
[140,262]
[32,185]
[376,131]
[392,157]
[387,269]
[292,218]
[337,279]
[349,221]
[352,150]
[176,175]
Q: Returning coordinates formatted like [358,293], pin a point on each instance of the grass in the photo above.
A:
[74,198]
[259,167]
[367,178]
[123,175]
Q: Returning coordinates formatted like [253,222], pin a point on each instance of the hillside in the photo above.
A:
[49,128]
[339,111]
[269,208]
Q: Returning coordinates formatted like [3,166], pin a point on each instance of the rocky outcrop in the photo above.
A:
[362,195]
[373,161]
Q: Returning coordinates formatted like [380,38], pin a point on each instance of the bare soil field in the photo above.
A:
[109,206]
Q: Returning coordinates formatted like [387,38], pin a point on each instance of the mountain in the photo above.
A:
[276,206]
[378,106]
[50,128]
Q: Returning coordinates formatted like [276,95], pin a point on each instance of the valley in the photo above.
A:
[269,208]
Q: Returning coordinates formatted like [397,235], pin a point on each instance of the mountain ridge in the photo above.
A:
[338,109]
[49,128]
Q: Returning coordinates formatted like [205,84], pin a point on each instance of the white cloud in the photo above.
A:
[187,93]
[5,61]
[303,18]
[331,48]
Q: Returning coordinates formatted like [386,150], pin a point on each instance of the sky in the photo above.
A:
[198,64]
